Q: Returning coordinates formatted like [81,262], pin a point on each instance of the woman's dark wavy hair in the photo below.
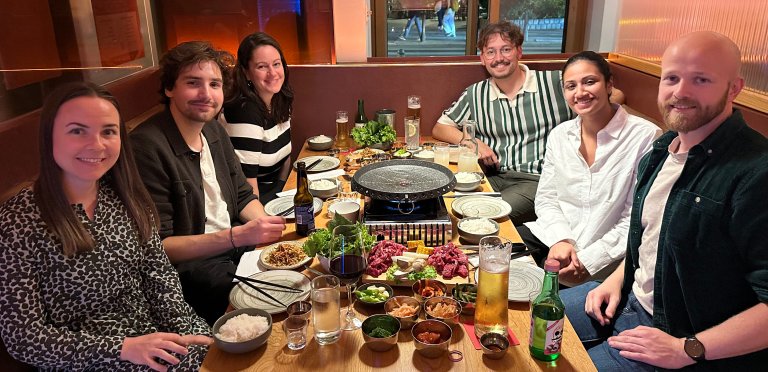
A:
[49,194]
[595,59]
[282,102]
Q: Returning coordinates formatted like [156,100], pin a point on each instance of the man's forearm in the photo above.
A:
[192,247]
[741,334]
[252,211]
[446,133]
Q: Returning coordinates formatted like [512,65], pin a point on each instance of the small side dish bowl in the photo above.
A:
[380,332]
[439,346]
[431,305]
[426,155]
[494,345]
[473,236]
[466,294]
[241,346]
[368,286]
[467,181]
[422,291]
[324,193]
[396,302]
[402,154]
[319,143]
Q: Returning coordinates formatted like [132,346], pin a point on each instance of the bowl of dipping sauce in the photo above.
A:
[494,345]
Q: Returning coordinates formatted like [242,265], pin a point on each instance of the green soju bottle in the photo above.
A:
[547,317]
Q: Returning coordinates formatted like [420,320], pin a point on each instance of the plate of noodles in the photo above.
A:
[284,256]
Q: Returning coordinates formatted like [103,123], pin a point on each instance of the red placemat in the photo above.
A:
[470,328]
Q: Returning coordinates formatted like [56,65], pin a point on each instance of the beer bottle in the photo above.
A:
[303,207]
[547,317]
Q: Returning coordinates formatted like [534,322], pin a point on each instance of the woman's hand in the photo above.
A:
[144,350]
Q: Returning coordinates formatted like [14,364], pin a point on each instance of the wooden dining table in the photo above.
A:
[350,353]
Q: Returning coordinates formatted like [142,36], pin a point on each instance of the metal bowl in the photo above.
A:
[467,308]
[394,302]
[242,346]
[452,319]
[494,345]
[383,321]
[389,290]
[474,238]
[324,193]
[423,283]
[319,146]
[432,350]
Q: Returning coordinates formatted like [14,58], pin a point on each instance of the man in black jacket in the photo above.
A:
[209,215]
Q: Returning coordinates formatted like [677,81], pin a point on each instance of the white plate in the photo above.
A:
[485,206]
[326,163]
[268,250]
[242,296]
[278,205]
[524,278]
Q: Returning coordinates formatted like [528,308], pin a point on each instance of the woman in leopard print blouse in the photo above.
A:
[85,283]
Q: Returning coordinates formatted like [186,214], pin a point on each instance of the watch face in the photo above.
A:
[694,348]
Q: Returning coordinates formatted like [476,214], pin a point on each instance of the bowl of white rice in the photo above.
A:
[243,330]
[324,188]
[319,143]
[472,229]
[467,181]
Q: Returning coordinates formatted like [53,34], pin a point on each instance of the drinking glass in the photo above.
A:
[325,309]
[342,131]
[491,311]
[442,155]
[412,140]
[414,107]
[295,328]
[349,266]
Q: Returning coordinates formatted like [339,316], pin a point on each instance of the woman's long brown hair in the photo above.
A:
[55,209]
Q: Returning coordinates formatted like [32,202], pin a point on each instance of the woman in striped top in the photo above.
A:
[257,114]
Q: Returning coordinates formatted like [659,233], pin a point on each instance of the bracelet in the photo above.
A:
[232,237]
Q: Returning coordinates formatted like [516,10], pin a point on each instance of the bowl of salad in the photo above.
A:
[375,135]
[374,294]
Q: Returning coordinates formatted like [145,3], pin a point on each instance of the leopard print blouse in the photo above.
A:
[61,313]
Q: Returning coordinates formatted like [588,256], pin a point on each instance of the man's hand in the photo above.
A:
[487,156]
[143,350]
[652,346]
[607,293]
[565,252]
[571,276]
[262,230]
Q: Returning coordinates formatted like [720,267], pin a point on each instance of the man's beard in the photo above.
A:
[697,119]
[497,75]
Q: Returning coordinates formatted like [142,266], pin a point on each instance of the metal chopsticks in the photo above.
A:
[313,164]
[247,279]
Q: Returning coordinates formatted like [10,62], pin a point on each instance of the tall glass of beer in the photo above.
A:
[414,107]
[492,286]
[342,131]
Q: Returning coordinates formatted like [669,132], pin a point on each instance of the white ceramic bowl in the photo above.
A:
[324,193]
[319,146]
[474,237]
[243,346]
[468,186]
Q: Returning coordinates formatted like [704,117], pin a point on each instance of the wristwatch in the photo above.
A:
[694,348]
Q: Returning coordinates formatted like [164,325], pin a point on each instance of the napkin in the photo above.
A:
[249,264]
[470,328]
[313,177]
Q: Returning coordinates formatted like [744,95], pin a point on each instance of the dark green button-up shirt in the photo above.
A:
[712,260]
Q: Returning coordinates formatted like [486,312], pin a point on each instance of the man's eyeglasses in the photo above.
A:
[491,53]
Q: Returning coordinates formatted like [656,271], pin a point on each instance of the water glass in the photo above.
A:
[326,309]
[412,140]
[295,327]
[442,155]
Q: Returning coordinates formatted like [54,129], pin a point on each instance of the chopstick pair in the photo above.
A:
[286,212]
[247,281]
[313,164]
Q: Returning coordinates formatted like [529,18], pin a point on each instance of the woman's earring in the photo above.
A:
[250,84]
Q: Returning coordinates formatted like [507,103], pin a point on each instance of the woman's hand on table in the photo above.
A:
[144,349]
[262,230]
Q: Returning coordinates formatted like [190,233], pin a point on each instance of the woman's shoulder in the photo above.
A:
[242,110]
[638,124]
[20,211]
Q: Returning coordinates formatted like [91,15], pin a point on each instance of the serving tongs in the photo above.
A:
[249,282]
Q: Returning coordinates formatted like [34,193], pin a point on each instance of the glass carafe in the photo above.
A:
[468,151]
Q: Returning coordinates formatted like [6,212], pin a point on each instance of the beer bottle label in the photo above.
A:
[546,335]
[305,215]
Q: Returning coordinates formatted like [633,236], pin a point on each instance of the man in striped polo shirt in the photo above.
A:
[514,109]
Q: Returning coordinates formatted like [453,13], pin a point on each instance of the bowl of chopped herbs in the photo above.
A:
[380,332]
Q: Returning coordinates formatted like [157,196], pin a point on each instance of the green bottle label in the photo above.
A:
[546,335]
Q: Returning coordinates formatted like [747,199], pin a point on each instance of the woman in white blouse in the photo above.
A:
[584,197]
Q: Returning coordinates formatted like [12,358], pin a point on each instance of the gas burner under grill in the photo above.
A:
[426,220]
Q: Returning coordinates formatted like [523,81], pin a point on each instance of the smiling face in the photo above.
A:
[266,71]
[586,90]
[86,141]
[198,93]
[699,81]
[499,65]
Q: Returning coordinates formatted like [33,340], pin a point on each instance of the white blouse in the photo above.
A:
[590,205]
